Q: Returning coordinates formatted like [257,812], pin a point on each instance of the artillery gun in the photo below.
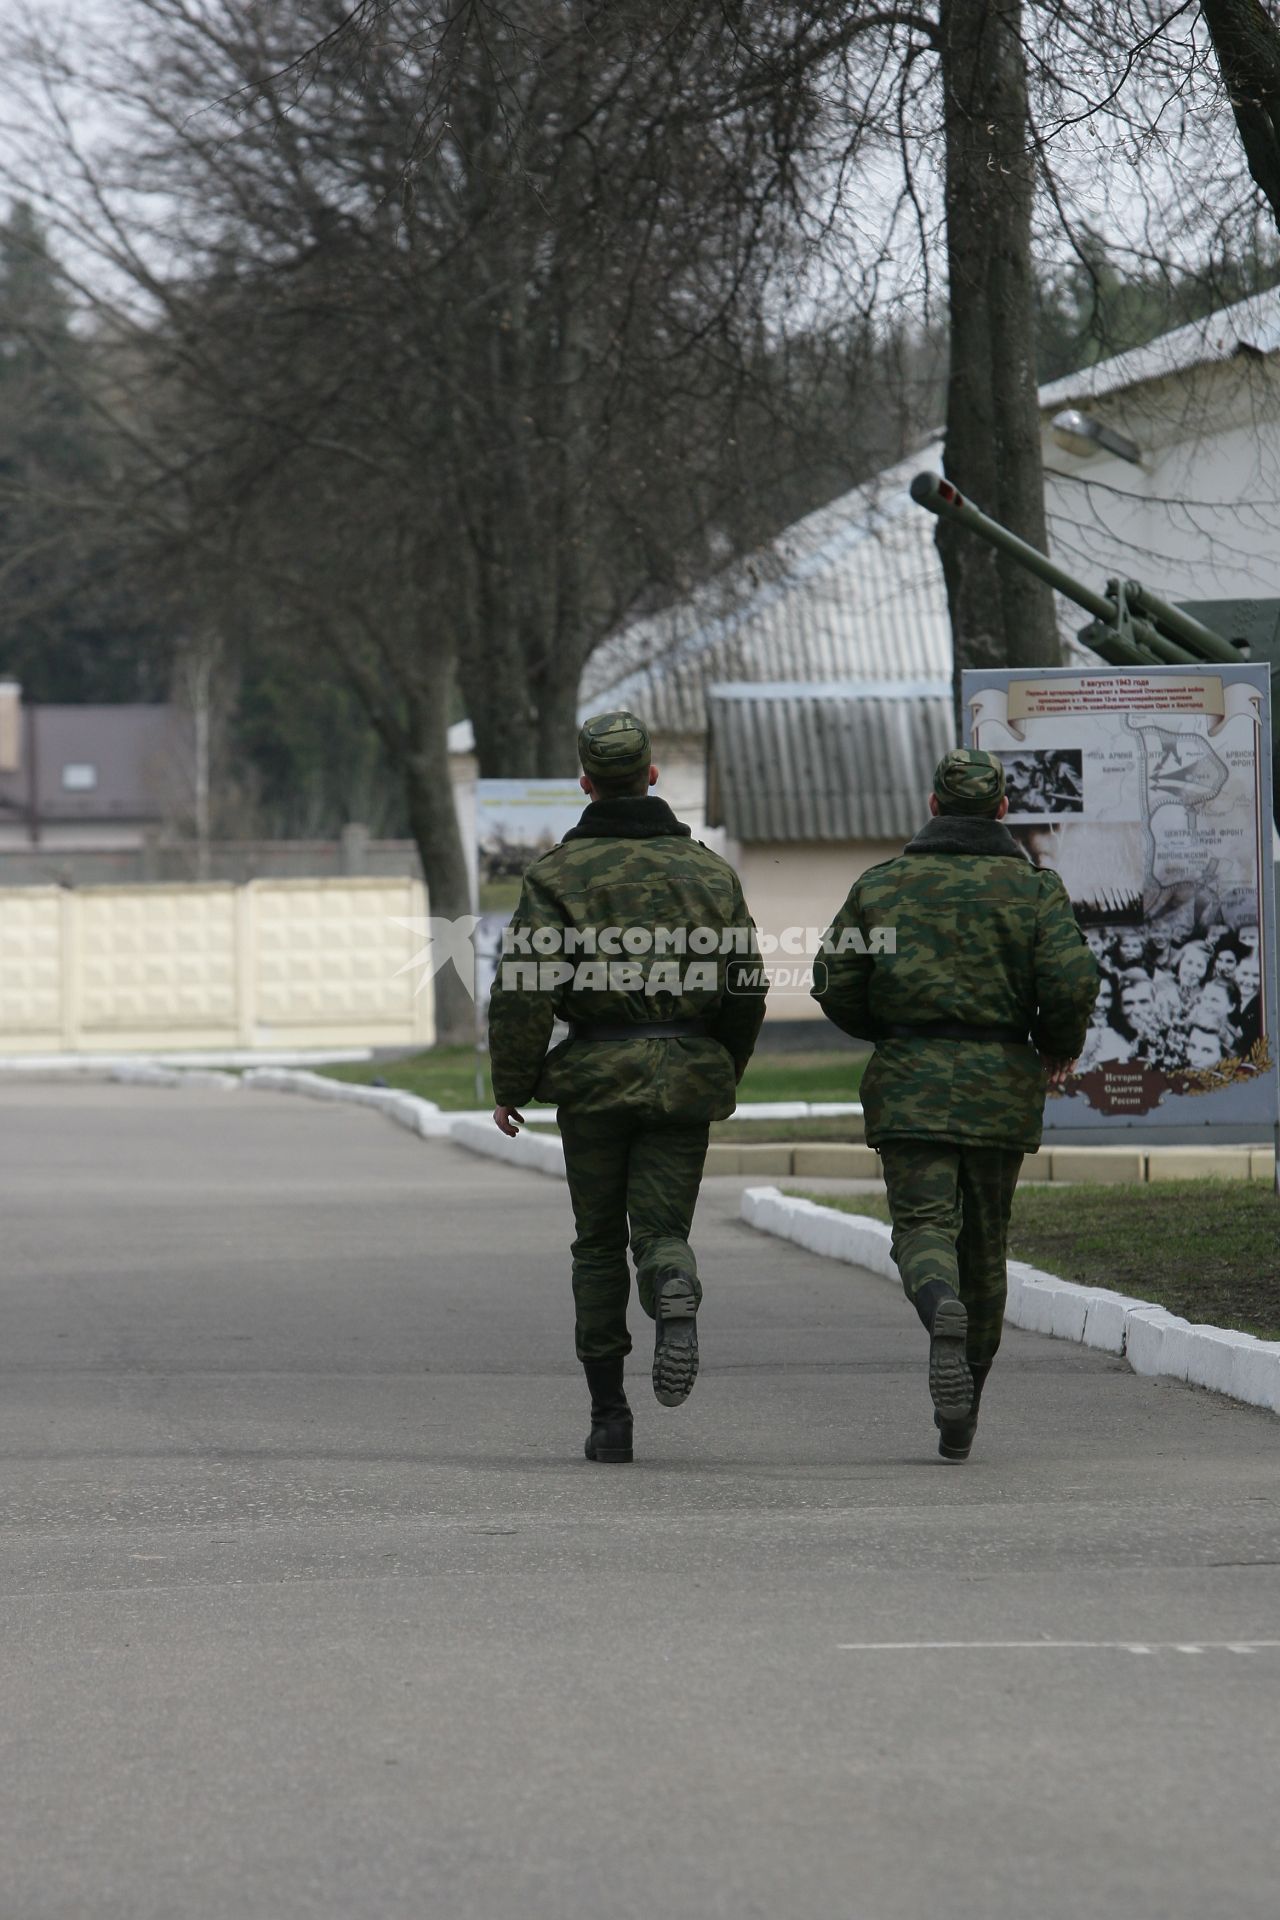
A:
[1131,626]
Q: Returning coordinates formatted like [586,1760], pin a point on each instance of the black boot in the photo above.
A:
[609,1440]
[955,1439]
[675,1337]
[950,1378]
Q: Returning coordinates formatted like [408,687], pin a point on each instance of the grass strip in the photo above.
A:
[447,1075]
[844,1129]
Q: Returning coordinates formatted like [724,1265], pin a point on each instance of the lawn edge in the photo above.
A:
[1154,1342]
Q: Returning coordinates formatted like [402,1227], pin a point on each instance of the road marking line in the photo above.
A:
[1055,1646]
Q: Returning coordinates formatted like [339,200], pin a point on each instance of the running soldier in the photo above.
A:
[981,1006]
[638,937]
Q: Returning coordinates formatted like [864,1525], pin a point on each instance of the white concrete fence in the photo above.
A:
[276,963]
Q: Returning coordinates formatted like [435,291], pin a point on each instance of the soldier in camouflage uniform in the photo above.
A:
[983,1002]
[637,936]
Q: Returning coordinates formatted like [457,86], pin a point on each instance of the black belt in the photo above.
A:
[639,1030]
[959,1030]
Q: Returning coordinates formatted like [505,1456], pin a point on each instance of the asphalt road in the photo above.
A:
[311,1606]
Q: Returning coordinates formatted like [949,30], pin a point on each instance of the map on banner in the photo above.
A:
[1149,793]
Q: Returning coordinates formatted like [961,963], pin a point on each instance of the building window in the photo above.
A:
[79,777]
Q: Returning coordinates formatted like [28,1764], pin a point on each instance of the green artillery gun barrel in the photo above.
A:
[1172,620]
[1161,631]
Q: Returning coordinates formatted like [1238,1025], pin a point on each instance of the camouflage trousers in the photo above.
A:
[950,1211]
[630,1179]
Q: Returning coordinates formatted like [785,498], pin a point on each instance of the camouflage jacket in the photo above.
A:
[981,937]
[613,926]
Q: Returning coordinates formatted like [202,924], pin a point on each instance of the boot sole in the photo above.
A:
[950,1381]
[608,1456]
[675,1352]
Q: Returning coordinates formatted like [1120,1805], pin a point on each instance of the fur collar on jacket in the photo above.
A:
[627,817]
[963,833]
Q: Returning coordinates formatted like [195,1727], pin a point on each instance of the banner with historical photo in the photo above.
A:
[516,820]
[1149,792]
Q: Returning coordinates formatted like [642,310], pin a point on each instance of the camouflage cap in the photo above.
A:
[966,780]
[613,746]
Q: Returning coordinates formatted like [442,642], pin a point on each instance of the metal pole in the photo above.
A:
[33,780]
[480,1020]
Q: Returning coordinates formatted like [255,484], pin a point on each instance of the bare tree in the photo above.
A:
[448,330]
[429,351]
[445,348]
[1246,39]
[1000,614]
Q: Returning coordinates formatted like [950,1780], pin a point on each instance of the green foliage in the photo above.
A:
[81,620]
[316,761]
[446,1075]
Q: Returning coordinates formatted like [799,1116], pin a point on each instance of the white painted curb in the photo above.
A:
[145,1074]
[1153,1341]
[795,1109]
[103,1065]
[537,1152]
[541,1152]
[422,1117]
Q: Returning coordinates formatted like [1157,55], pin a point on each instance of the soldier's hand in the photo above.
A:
[1058,1069]
[503,1117]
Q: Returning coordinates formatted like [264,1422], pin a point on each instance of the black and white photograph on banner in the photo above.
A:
[1046,781]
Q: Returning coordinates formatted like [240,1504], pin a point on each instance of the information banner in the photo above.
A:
[516,820]
[1149,793]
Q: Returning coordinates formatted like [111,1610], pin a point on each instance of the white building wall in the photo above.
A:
[801,886]
[1199,519]
[682,781]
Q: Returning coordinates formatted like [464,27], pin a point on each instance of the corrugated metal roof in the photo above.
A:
[851,592]
[1251,325]
[797,762]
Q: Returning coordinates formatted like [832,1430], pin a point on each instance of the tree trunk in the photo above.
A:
[494,688]
[563,640]
[1000,615]
[200,678]
[1247,43]
[411,718]
[491,670]
[558,726]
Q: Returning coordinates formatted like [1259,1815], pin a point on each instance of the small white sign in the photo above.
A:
[79,777]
